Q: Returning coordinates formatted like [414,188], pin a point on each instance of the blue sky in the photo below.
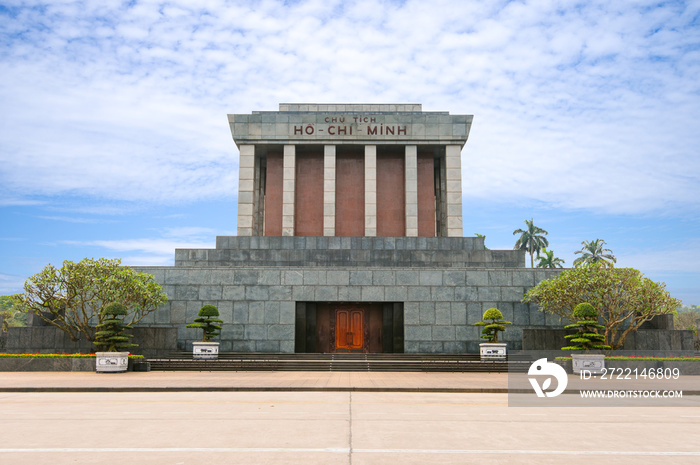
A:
[114,140]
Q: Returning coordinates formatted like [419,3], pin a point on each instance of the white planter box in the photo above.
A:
[111,362]
[205,350]
[594,363]
[492,350]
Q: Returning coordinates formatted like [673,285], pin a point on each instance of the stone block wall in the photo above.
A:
[258,303]
[410,252]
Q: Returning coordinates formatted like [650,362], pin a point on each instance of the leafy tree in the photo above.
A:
[110,335]
[686,318]
[586,336]
[531,239]
[10,313]
[623,297]
[492,327]
[73,297]
[206,321]
[549,260]
[593,252]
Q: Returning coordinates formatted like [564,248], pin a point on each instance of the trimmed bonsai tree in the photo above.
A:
[207,321]
[110,335]
[586,336]
[492,327]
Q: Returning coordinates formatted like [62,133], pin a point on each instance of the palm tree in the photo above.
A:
[549,260]
[532,240]
[593,252]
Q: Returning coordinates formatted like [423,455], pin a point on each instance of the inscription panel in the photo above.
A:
[276,127]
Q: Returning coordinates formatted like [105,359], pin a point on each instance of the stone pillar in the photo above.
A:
[329,190]
[289,163]
[453,175]
[411,181]
[370,190]
[246,187]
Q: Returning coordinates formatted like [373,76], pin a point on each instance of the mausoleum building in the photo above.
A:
[350,239]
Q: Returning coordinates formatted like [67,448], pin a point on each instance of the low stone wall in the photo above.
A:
[47,364]
[672,342]
[152,341]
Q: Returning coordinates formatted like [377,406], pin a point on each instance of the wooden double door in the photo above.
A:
[349,330]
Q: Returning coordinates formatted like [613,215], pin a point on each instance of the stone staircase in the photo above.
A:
[228,361]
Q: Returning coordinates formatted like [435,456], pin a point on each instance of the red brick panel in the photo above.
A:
[426,195]
[273,195]
[350,191]
[308,196]
[391,192]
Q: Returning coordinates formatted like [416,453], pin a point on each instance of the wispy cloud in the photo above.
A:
[73,219]
[11,284]
[678,258]
[157,250]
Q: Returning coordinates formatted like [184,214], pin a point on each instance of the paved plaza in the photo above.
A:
[324,418]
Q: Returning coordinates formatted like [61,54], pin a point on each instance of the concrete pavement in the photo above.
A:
[188,418]
[253,381]
[179,381]
[188,428]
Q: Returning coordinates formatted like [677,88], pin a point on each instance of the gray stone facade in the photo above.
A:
[443,287]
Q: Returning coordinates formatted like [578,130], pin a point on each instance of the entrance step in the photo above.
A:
[229,361]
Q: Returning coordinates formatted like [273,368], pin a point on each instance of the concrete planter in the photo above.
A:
[205,350]
[111,362]
[593,363]
[492,351]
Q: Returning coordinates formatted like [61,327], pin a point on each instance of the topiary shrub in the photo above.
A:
[110,336]
[206,321]
[586,337]
[494,326]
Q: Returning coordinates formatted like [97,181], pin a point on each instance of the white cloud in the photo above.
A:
[588,105]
